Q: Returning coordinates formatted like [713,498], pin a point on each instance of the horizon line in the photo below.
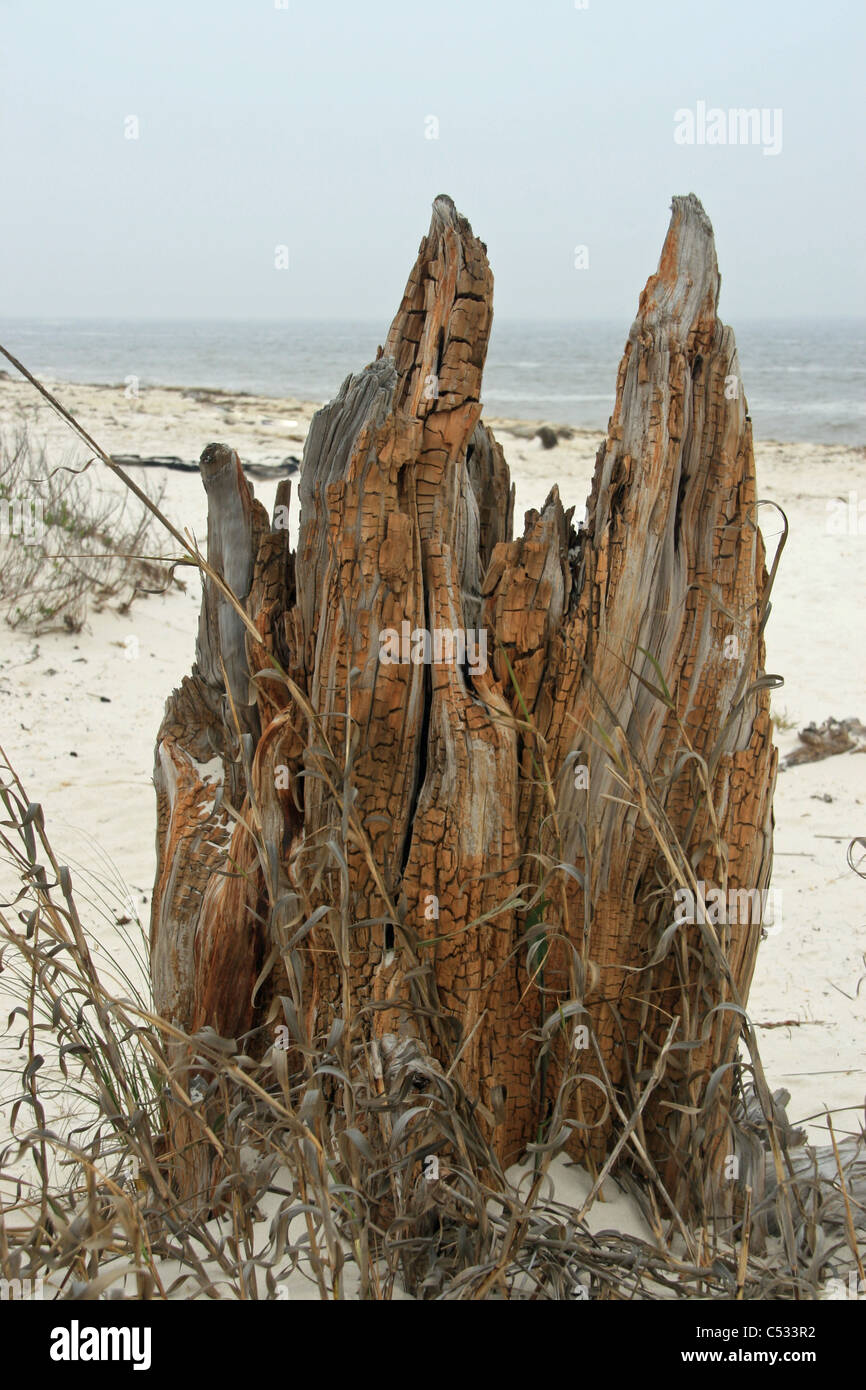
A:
[374,321]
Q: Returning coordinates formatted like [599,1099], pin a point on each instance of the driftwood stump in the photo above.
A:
[483,847]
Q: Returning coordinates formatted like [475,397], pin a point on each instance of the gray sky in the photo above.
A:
[306,127]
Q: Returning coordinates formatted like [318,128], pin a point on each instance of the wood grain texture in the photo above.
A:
[423,803]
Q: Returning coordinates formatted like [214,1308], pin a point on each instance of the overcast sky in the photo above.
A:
[307,127]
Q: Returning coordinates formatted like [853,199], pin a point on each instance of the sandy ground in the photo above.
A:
[90,762]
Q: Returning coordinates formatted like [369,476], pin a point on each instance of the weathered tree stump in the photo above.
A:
[486,852]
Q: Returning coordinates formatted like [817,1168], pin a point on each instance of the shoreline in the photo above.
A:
[297,404]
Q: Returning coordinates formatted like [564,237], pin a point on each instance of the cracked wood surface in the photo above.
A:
[463,791]
[670,569]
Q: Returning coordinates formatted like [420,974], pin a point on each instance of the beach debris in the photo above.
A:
[825,740]
[284,469]
[548,434]
[270,471]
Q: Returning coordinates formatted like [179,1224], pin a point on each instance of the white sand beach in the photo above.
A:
[88,759]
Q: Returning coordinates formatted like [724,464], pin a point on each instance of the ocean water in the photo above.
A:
[804,379]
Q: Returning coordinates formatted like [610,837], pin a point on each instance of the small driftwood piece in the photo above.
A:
[174,464]
[826,740]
